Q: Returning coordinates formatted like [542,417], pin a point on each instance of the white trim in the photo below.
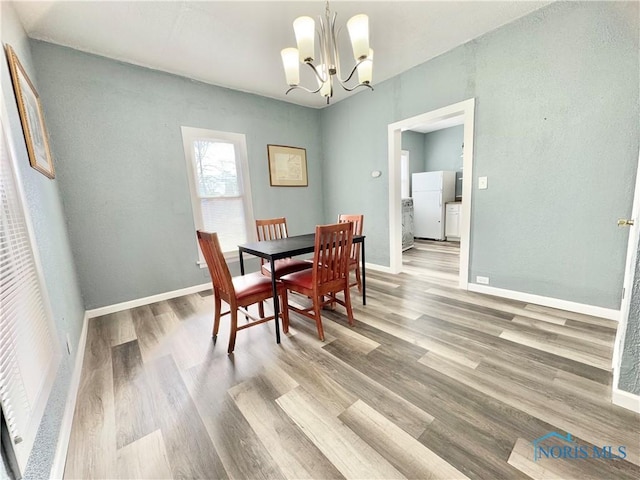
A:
[466,111]
[60,457]
[626,400]
[576,307]
[377,268]
[118,307]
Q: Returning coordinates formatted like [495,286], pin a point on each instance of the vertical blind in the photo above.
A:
[28,351]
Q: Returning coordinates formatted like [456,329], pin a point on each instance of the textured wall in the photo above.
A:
[116,132]
[630,365]
[48,219]
[549,88]
[443,149]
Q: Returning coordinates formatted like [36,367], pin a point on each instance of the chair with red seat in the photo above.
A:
[328,275]
[238,292]
[354,258]
[273,229]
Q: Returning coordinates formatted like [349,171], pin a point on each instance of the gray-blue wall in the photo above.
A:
[549,89]
[121,166]
[443,149]
[49,227]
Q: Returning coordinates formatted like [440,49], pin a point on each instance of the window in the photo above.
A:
[29,353]
[405,176]
[220,189]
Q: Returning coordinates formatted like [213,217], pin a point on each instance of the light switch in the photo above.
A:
[482,183]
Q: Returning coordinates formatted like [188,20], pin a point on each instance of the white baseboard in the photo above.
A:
[607,313]
[118,307]
[626,400]
[60,457]
[377,268]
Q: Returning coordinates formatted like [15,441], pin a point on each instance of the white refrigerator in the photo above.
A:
[430,192]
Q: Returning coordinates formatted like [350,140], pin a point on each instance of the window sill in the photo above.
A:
[228,256]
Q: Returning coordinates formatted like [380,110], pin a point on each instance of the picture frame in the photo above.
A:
[31,116]
[287,166]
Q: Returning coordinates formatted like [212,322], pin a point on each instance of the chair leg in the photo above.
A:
[347,304]
[358,279]
[316,310]
[234,329]
[216,317]
[284,310]
[261,309]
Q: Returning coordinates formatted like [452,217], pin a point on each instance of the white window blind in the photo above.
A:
[219,182]
[28,349]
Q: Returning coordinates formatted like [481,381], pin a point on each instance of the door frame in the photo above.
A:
[629,274]
[466,111]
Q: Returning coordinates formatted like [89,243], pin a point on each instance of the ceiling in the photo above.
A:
[236,44]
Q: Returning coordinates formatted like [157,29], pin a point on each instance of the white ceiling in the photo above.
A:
[237,44]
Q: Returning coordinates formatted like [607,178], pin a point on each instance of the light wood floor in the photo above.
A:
[431,383]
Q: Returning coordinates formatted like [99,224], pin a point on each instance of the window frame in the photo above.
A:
[191,134]
[33,416]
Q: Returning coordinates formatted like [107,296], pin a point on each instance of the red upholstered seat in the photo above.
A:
[251,284]
[238,292]
[286,266]
[329,273]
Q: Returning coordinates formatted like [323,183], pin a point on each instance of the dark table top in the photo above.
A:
[285,247]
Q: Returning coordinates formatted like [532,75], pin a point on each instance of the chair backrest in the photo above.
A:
[272,229]
[220,276]
[331,255]
[357,221]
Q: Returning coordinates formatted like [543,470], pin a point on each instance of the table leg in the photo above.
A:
[276,309]
[364,278]
[241,263]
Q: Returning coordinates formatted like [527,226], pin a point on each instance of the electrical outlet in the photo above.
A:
[482,183]
[482,280]
[69,347]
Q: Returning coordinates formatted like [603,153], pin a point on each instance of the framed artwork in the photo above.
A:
[287,166]
[35,133]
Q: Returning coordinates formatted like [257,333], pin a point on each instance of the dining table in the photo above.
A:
[272,250]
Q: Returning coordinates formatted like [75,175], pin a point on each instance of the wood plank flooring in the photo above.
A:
[432,383]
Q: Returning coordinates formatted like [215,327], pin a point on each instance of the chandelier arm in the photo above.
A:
[294,87]
[318,76]
[351,89]
[353,70]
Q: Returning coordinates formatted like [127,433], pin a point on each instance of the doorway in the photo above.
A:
[461,113]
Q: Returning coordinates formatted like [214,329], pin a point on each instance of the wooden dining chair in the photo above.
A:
[354,258]
[328,276]
[273,229]
[238,292]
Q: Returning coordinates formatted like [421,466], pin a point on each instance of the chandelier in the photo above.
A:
[326,66]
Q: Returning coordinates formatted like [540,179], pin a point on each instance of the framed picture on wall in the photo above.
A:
[287,166]
[31,117]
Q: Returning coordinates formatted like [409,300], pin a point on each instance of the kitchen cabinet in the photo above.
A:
[452,221]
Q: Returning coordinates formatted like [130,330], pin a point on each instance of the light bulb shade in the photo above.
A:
[325,91]
[365,69]
[358,27]
[291,65]
[325,86]
[305,30]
